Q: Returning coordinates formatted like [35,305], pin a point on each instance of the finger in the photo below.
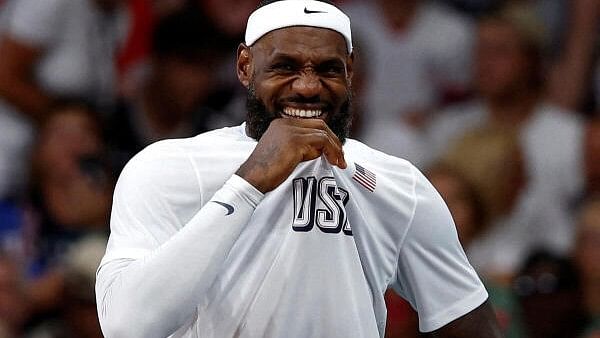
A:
[320,143]
[309,126]
[317,124]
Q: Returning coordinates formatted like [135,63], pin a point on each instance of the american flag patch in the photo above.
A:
[365,177]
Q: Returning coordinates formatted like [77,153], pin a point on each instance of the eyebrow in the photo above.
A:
[280,57]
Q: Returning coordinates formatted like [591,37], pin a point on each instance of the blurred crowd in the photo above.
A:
[498,102]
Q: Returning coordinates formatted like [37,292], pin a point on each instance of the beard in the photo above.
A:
[259,117]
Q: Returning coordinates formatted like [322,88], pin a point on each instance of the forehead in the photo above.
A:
[303,42]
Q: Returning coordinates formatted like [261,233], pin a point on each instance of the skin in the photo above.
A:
[17,86]
[312,64]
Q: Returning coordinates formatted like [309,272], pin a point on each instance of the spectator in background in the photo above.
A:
[228,17]
[490,161]
[549,294]
[587,258]
[419,56]
[462,199]
[51,49]
[572,77]
[72,191]
[13,300]
[77,316]
[173,97]
[467,209]
[509,81]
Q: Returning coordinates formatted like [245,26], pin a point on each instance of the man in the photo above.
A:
[173,100]
[277,228]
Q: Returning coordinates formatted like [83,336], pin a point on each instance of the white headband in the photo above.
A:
[289,13]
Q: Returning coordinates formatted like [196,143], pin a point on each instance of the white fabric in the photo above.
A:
[177,265]
[407,72]
[289,13]
[16,137]
[552,147]
[77,45]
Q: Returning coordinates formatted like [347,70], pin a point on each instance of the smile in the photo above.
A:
[303,113]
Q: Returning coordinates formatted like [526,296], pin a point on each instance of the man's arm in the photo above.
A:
[434,274]
[145,289]
[479,323]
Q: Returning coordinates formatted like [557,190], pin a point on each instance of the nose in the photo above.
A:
[307,84]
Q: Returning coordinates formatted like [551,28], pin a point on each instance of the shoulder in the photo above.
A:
[394,175]
[160,164]
[552,116]
[36,22]
[167,154]
[187,164]
[553,125]
[358,151]
[459,114]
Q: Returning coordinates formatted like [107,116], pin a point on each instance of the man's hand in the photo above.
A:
[285,144]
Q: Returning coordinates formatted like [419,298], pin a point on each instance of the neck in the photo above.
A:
[514,108]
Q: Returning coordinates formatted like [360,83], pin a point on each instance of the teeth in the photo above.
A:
[301,112]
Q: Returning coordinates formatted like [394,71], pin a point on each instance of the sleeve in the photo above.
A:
[35,22]
[433,272]
[155,274]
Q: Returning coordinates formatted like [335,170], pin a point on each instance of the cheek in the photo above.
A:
[269,92]
[339,90]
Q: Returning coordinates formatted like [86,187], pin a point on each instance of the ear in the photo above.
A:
[244,64]
[350,67]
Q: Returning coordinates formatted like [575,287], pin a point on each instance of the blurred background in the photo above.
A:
[496,101]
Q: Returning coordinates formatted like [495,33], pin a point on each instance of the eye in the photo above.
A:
[332,69]
[283,67]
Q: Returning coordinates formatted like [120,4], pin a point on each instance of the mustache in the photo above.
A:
[302,99]
[259,118]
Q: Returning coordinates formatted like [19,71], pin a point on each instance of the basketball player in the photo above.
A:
[282,227]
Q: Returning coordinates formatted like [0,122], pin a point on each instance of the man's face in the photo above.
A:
[297,72]
[502,65]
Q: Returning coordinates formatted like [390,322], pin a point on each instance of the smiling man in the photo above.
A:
[283,227]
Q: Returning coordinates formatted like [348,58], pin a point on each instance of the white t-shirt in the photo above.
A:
[196,251]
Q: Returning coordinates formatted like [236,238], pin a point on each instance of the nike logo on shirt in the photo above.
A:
[229,207]
[308,11]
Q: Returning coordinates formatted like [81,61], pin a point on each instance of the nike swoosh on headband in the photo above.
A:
[308,11]
[229,207]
